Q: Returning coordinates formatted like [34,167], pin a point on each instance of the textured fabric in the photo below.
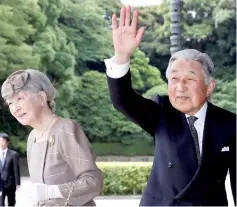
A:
[54,202]
[65,158]
[194,133]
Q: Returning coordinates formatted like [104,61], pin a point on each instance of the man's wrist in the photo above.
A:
[121,59]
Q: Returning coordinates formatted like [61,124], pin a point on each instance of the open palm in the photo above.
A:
[126,37]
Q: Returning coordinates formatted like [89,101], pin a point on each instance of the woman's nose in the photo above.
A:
[16,107]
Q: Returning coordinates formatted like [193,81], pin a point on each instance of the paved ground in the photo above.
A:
[111,201]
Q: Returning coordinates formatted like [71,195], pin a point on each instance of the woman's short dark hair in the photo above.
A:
[5,136]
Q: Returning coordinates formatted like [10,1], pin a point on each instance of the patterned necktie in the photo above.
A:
[193,130]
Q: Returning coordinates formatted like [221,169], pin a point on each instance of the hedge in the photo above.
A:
[125,178]
[141,148]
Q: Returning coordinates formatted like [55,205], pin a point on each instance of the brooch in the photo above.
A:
[51,140]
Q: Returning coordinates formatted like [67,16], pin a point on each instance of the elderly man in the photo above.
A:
[195,141]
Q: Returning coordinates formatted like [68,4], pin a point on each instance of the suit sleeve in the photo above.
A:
[16,169]
[143,112]
[77,152]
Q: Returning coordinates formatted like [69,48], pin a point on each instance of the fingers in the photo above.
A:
[139,35]
[135,20]
[122,16]
[114,22]
[127,16]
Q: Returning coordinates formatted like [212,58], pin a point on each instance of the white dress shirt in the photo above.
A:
[115,71]
[5,153]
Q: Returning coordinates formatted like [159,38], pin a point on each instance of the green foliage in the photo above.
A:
[92,108]
[58,54]
[209,26]
[144,76]
[15,30]
[125,178]
[86,28]
[224,95]
[18,145]
[157,90]
[140,147]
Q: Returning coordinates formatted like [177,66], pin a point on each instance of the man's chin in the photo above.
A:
[182,108]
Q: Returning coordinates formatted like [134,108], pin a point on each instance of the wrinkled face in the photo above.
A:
[25,106]
[3,143]
[186,87]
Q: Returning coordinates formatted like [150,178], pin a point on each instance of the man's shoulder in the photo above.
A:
[162,100]
[220,112]
[13,152]
[222,117]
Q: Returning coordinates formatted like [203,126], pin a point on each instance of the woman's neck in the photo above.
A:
[43,122]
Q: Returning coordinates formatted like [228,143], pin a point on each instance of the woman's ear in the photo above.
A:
[43,98]
[211,87]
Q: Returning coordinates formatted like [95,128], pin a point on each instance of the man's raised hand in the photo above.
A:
[126,37]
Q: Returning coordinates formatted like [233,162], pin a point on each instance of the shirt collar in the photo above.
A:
[5,150]
[201,114]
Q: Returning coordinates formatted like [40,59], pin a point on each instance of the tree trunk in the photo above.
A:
[175,15]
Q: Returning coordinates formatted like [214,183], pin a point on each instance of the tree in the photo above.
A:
[19,22]
[86,27]
[144,76]
[224,95]
[57,53]
[15,33]
[160,90]
[208,26]
[92,108]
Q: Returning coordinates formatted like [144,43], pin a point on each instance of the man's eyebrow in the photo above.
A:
[174,70]
[190,71]
[193,72]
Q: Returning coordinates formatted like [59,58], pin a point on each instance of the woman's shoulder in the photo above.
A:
[31,135]
[67,125]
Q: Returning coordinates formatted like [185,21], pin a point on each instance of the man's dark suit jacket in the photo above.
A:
[10,172]
[175,178]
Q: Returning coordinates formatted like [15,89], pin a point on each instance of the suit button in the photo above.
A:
[170,164]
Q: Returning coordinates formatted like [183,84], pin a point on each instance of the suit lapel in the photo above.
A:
[212,142]
[180,134]
[6,158]
[209,146]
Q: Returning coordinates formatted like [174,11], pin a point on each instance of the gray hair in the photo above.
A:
[29,80]
[192,54]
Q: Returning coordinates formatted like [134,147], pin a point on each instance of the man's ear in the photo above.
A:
[211,87]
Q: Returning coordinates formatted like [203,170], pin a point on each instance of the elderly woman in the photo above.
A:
[60,159]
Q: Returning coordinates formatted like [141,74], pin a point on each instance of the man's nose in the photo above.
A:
[181,86]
